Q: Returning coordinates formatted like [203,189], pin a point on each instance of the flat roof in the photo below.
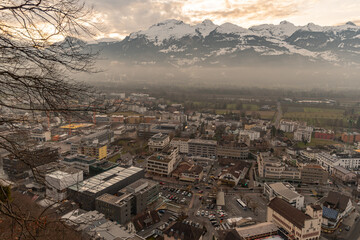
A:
[258,229]
[284,190]
[203,141]
[105,179]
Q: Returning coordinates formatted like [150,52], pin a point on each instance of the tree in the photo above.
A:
[39,52]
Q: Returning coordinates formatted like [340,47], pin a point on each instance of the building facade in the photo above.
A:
[233,150]
[158,142]
[204,148]
[296,224]
[286,192]
[181,143]
[313,174]
[57,182]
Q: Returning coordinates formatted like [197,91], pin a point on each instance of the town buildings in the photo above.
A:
[111,181]
[252,134]
[273,168]
[158,142]
[303,133]
[233,150]
[203,148]
[296,224]
[164,162]
[313,174]
[233,174]
[344,175]
[80,162]
[286,192]
[129,201]
[181,143]
[335,206]
[57,182]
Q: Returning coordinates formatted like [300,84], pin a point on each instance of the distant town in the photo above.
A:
[152,167]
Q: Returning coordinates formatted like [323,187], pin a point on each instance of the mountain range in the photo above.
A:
[175,43]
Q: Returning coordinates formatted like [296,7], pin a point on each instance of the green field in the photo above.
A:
[250,107]
[315,142]
[231,106]
[322,117]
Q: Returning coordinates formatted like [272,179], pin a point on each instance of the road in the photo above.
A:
[278,115]
[354,231]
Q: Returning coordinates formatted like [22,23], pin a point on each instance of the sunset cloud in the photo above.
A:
[121,17]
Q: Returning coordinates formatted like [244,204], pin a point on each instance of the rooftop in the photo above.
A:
[289,212]
[284,190]
[203,141]
[336,200]
[159,137]
[258,229]
[105,179]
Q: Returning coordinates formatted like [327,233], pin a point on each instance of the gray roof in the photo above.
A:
[105,179]
[282,190]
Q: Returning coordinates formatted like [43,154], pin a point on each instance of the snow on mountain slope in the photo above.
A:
[229,28]
[205,28]
[176,42]
[283,30]
[165,30]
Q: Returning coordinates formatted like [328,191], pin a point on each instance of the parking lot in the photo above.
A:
[176,195]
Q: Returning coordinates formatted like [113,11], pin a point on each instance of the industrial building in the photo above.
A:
[111,181]
[129,201]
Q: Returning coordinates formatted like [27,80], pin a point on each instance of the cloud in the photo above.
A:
[126,16]
[255,10]
[121,17]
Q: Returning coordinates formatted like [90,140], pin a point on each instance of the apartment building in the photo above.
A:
[233,150]
[348,161]
[97,151]
[303,133]
[93,145]
[80,162]
[41,136]
[344,175]
[314,174]
[288,126]
[286,192]
[160,165]
[295,223]
[181,144]
[273,168]
[158,142]
[252,134]
[203,148]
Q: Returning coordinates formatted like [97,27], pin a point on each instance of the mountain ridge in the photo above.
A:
[179,44]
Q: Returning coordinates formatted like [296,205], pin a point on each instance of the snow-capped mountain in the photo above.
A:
[176,43]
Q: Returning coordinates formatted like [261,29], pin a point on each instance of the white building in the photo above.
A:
[330,161]
[303,133]
[253,135]
[181,144]
[288,126]
[41,136]
[164,162]
[80,162]
[159,141]
[285,191]
[57,182]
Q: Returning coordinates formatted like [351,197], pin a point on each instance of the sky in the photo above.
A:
[118,18]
